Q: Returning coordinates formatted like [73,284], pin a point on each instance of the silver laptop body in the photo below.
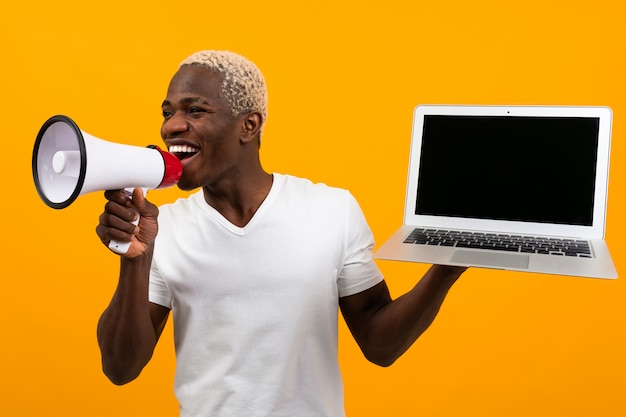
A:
[520,188]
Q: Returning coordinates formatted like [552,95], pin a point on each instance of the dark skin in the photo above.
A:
[228,169]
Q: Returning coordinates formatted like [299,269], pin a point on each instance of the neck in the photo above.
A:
[238,199]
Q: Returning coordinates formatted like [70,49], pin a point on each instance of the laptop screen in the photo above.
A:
[519,168]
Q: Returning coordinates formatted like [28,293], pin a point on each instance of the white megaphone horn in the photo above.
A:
[68,162]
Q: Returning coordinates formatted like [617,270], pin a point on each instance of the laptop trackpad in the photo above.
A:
[490,259]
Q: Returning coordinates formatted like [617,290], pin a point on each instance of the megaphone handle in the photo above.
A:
[122,247]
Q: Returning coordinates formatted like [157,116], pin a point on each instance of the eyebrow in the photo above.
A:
[186,101]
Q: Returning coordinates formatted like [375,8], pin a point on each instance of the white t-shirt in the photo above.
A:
[255,308]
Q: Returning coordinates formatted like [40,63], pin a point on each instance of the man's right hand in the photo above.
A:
[116,221]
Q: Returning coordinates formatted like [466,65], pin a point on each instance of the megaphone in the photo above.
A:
[68,162]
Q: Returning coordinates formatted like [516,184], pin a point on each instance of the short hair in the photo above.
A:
[243,86]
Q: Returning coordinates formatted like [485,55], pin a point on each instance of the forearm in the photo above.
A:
[398,324]
[126,335]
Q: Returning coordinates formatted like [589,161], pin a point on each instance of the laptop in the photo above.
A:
[520,188]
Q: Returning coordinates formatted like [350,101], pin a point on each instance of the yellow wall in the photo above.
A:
[343,77]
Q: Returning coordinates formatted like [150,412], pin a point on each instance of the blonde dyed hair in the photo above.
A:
[243,86]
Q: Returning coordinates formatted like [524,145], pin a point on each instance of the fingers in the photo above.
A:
[121,209]
[120,197]
[139,201]
[143,206]
[115,222]
[124,209]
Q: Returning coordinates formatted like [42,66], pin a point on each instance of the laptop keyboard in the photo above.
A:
[500,242]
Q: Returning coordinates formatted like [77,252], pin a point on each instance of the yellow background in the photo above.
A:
[343,78]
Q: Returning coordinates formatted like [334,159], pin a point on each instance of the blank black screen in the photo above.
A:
[532,169]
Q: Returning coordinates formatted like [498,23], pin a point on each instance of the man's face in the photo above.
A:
[199,128]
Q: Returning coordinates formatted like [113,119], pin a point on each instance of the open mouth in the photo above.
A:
[183,152]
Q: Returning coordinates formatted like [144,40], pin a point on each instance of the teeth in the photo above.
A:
[182,149]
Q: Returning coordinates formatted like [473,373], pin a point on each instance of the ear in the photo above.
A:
[251,126]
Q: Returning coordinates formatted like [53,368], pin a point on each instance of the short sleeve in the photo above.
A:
[159,293]
[359,271]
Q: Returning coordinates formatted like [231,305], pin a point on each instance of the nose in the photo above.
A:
[174,124]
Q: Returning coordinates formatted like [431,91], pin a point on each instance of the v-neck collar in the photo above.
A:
[199,200]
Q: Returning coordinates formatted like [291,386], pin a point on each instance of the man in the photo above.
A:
[254,266]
